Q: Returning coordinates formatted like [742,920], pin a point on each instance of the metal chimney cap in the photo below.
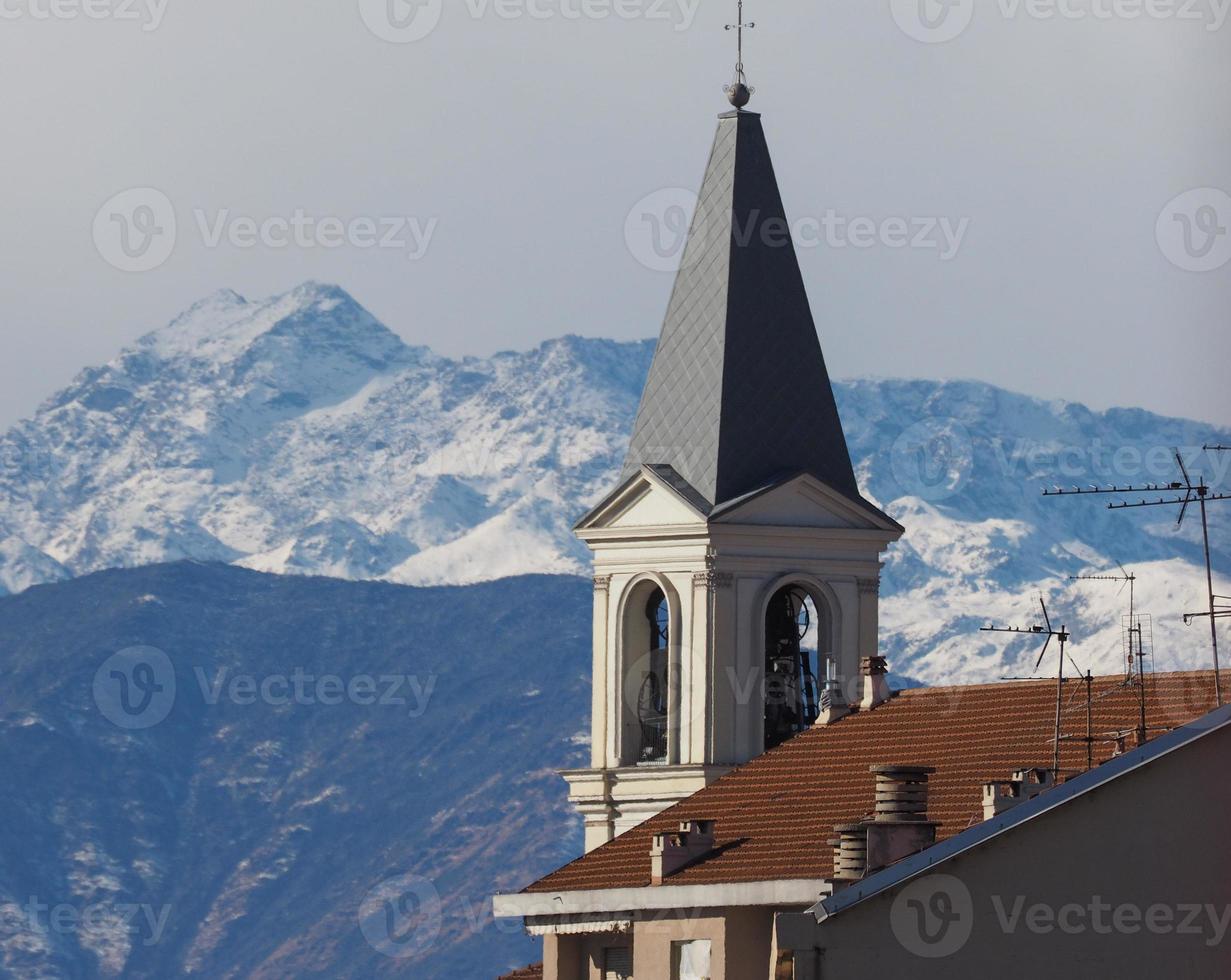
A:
[892,770]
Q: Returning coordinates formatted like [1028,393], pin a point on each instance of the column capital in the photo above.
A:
[713,580]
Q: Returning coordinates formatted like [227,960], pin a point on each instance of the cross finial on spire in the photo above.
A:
[739,91]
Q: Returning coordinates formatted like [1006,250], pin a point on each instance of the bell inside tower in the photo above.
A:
[652,701]
[792,663]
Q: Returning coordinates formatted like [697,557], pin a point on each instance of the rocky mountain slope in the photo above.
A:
[216,773]
[299,435]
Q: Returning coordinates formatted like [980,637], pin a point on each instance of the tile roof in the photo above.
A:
[775,814]
[529,973]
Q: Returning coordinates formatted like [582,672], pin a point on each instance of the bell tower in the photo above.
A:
[737,565]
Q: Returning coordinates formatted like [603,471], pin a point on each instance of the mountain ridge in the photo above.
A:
[298,435]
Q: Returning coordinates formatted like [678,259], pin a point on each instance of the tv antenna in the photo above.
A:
[1198,493]
[1217,449]
[1220,612]
[739,91]
[1062,634]
[1128,580]
[1135,634]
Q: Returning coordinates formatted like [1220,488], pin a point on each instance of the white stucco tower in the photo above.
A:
[737,566]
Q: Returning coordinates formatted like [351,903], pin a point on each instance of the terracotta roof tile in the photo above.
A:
[529,973]
[775,814]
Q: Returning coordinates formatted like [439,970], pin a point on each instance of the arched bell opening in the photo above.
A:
[797,662]
[647,677]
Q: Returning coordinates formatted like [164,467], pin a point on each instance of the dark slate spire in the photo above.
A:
[738,394]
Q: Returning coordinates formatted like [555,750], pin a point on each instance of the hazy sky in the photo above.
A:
[1005,205]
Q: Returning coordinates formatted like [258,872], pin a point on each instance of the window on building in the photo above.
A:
[690,960]
[617,963]
[793,628]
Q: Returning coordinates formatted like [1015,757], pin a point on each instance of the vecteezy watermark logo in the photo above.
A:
[933,459]
[135,688]
[1194,230]
[148,12]
[933,917]
[401,21]
[930,233]
[660,236]
[144,922]
[401,916]
[933,21]
[306,231]
[405,21]
[1189,696]
[939,21]
[135,231]
[300,688]
[656,229]
[1096,461]
[1204,922]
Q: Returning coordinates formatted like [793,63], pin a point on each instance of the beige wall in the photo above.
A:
[1158,837]
[741,939]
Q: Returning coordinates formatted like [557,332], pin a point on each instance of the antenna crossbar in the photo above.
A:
[1198,493]
[1062,634]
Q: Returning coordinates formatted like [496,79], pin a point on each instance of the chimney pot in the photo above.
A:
[833,703]
[902,793]
[900,825]
[1026,784]
[850,859]
[875,682]
[673,851]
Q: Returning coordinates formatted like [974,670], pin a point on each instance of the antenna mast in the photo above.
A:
[1129,579]
[1063,636]
[1198,493]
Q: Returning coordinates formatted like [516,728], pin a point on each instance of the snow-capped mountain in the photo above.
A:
[299,435]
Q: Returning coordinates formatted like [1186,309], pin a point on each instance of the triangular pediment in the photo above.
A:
[653,497]
[804,501]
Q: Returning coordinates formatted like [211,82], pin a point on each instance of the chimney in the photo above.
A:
[833,703]
[1025,785]
[850,854]
[900,826]
[672,852]
[875,682]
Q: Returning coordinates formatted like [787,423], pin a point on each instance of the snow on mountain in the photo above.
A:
[299,435]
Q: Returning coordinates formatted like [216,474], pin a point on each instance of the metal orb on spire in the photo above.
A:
[739,92]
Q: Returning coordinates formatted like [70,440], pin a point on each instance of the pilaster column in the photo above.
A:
[602,668]
[869,617]
[706,704]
